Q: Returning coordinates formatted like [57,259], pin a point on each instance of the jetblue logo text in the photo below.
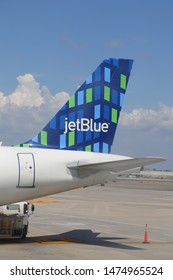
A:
[85,125]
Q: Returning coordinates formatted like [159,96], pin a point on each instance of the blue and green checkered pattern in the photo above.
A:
[99,99]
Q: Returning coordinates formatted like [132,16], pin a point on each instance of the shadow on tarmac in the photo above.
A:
[81,236]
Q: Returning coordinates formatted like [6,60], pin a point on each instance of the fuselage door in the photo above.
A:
[26,170]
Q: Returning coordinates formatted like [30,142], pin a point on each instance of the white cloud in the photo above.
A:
[3,100]
[26,110]
[149,119]
[27,93]
[146,132]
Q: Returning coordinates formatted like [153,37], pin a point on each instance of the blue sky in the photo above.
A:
[50,47]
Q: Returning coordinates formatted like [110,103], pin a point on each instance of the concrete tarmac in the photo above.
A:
[99,222]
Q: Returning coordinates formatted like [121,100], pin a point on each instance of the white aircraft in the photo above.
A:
[72,150]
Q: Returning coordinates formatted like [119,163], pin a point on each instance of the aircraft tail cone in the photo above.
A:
[146,240]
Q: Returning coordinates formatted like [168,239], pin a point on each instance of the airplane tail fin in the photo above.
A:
[89,119]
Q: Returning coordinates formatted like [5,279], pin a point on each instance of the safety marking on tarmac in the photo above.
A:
[42,201]
[48,241]
[39,240]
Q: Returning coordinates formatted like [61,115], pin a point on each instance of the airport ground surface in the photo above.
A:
[100,222]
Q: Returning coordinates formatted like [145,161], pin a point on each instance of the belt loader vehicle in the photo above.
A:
[14,219]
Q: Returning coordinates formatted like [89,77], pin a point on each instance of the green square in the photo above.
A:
[26,145]
[43,138]
[71,102]
[89,95]
[123,81]
[71,138]
[106,93]
[88,148]
[114,115]
[18,145]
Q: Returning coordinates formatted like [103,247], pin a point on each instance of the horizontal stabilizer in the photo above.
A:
[115,166]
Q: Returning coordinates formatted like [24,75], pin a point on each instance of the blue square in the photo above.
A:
[80,97]
[107,74]
[72,117]
[115,97]
[116,62]
[89,80]
[80,114]
[35,139]
[62,141]
[79,137]
[53,123]
[88,135]
[97,111]
[97,74]
[121,98]
[106,112]
[96,135]
[97,93]
[96,147]
[105,148]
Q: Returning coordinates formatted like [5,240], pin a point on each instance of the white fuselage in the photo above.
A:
[27,173]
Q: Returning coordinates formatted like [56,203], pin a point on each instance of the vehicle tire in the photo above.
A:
[25,231]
